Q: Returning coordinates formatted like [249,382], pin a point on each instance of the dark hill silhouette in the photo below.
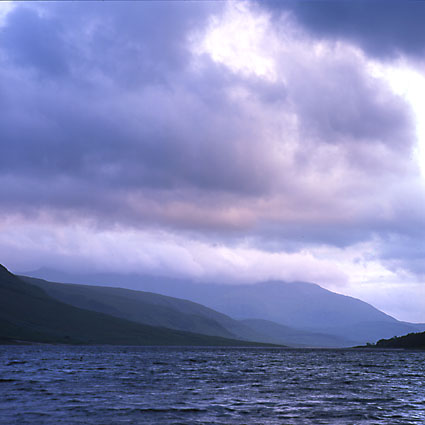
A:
[414,341]
[27,313]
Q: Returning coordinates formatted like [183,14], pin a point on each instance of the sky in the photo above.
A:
[230,142]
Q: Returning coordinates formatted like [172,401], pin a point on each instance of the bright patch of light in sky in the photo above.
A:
[395,299]
[5,8]
[241,41]
[410,84]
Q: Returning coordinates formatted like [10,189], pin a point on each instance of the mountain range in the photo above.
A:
[290,313]
[159,310]
[29,314]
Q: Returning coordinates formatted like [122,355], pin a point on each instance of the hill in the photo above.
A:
[27,313]
[276,333]
[414,341]
[175,313]
[304,307]
[148,308]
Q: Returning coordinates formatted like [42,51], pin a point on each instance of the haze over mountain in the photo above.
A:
[160,310]
[28,314]
[147,308]
[297,307]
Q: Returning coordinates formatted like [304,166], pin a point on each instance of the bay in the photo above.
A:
[151,385]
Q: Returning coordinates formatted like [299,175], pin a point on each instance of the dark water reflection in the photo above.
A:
[131,385]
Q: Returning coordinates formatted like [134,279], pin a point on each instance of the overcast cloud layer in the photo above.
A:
[219,141]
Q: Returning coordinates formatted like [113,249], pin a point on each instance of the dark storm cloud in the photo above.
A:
[139,141]
[88,140]
[78,123]
[128,43]
[383,28]
[336,105]
[105,116]
[35,42]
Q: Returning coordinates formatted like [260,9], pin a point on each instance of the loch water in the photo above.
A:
[148,385]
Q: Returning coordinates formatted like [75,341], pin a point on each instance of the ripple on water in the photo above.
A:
[97,385]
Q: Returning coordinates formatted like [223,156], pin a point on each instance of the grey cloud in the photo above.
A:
[139,136]
[383,28]
[34,41]
[143,141]
[340,103]
[131,134]
[130,44]
[402,252]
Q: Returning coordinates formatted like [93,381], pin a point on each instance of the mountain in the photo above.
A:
[27,313]
[148,308]
[304,306]
[160,310]
[414,341]
[276,333]
[301,306]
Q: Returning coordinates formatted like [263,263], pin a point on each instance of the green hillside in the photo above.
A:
[27,313]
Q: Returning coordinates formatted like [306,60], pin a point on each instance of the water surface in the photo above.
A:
[135,385]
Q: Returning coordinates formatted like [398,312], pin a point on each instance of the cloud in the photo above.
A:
[30,40]
[404,301]
[384,29]
[204,125]
[206,145]
[72,246]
